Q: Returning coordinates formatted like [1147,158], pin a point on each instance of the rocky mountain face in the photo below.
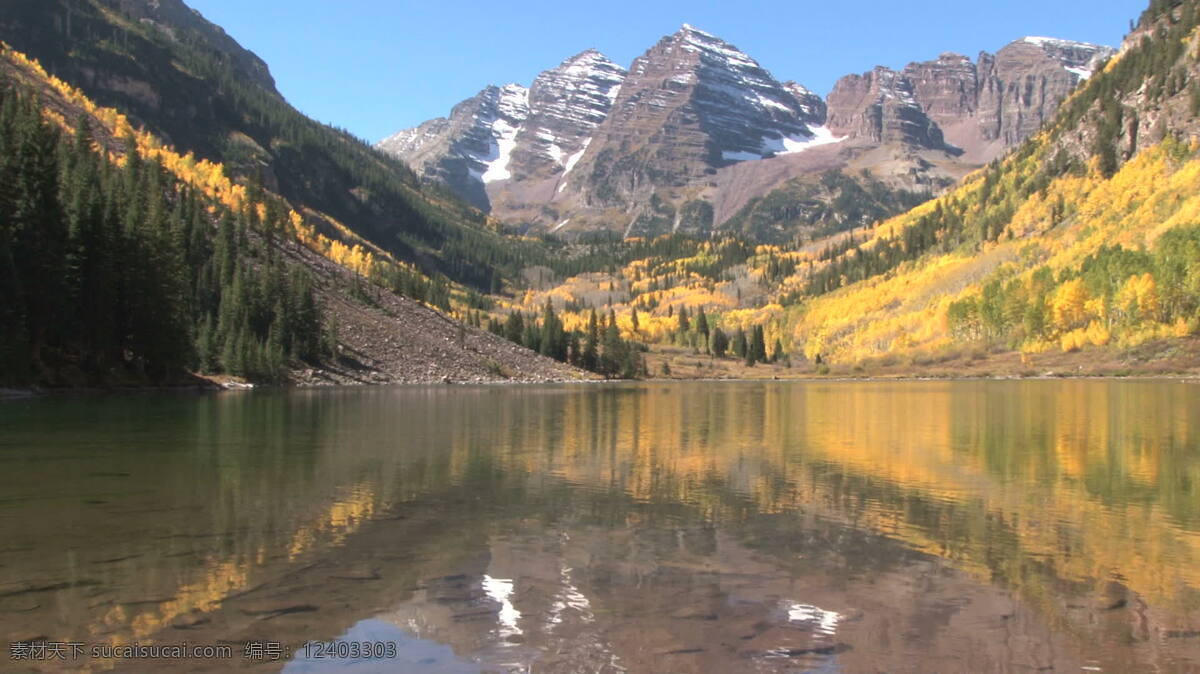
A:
[691,104]
[986,106]
[882,106]
[696,129]
[469,148]
[1003,97]
[511,133]
[566,105]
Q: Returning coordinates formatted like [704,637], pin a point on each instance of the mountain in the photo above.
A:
[183,79]
[512,133]
[697,131]
[193,223]
[996,102]
[470,148]
[1078,252]
[691,103]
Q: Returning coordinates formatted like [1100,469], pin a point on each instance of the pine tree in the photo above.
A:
[514,327]
[757,353]
[739,343]
[37,226]
[720,343]
[778,353]
[590,358]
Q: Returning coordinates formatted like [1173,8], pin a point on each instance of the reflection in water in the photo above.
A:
[500,590]
[822,621]
[963,526]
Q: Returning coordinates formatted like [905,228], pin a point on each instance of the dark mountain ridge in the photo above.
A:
[183,79]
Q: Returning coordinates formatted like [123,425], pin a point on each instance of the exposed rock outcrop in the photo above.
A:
[659,148]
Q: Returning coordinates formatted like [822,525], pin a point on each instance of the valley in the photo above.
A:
[1029,207]
[650,363]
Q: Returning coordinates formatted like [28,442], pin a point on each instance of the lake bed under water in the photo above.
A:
[703,526]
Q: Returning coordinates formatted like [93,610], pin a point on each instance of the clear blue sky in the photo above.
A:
[377,66]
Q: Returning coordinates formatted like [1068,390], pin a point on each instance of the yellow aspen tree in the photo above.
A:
[1070,305]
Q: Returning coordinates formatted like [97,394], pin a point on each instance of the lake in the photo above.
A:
[962,526]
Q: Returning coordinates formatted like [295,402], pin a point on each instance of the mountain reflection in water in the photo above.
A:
[858,526]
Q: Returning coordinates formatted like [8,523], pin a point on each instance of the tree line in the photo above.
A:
[114,271]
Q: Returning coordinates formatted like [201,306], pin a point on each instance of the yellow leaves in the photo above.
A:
[745,319]
[1095,307]
[1139,297]
[1094,334]
[1069,306]
[351,257]
[1147,297]
[1182,328]
[206,176]
[1034,346]
[1140,334]
[1097,334]
[815,345]
[866,319]
[902,342]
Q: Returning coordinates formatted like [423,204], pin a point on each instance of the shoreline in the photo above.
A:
[14,394]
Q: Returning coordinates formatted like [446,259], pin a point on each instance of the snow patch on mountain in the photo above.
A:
[1053,42]
[1081,73]
[511,108]
[497,162]
[789,144]
[821,135]
[695,39]
[1078,58]
[574,159]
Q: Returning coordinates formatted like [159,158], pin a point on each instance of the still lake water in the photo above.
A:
[716,527]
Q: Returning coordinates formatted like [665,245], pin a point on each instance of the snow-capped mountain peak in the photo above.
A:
[590,143]
[1078,58]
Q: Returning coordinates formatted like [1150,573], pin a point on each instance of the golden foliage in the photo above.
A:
[206,176]
[1074,217]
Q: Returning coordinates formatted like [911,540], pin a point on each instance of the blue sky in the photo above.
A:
[374,66]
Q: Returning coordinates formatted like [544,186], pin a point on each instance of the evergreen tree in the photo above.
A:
[778,353]
[514,327]
[591,348]
[105,269]
[739,345]
[757,351]
[720,343]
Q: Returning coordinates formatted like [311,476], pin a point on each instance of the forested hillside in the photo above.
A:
[111,269]
[1086,237]
[184,81]
[125,262]
[128,258]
